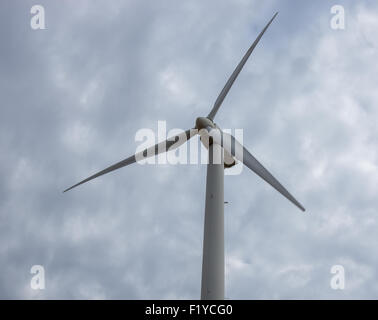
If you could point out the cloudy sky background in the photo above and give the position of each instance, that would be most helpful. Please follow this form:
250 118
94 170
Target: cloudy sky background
73 96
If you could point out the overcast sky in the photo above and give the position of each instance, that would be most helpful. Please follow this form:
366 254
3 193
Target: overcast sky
74 95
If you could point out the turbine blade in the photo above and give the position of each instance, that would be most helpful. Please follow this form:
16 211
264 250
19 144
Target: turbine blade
252 163
236 72
113 167
234 147
167 145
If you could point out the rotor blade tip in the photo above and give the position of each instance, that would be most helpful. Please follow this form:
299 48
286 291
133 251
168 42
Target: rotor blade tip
68 189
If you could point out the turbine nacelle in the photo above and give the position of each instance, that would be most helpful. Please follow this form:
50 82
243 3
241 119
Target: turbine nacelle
204 126
203 123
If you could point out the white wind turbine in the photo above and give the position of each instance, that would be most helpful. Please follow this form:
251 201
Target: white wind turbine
224 151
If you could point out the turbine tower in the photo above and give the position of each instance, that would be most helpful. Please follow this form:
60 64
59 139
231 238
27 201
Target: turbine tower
224 151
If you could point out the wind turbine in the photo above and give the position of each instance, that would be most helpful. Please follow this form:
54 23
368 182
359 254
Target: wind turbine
224 151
